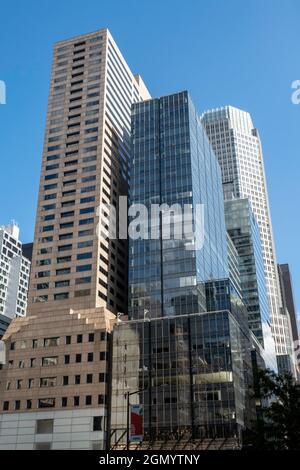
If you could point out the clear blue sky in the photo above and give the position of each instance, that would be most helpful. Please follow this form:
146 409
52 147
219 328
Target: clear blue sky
239 52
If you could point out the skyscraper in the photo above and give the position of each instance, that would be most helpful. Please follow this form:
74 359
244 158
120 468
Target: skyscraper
85 164
57 358
14 276
238 148
182 353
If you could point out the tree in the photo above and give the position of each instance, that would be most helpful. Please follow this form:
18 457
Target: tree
278 418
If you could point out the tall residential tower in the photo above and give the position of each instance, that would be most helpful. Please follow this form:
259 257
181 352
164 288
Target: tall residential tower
85 164
56 379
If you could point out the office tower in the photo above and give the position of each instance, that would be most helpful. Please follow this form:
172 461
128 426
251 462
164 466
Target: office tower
286 286
85 164
238 148
14 276
170 151
181 355
79 275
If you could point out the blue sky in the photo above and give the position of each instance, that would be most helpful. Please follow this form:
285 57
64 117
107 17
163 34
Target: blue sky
243 53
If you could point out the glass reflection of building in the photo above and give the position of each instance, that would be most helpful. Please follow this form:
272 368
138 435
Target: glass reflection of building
173 163
186 346
245 234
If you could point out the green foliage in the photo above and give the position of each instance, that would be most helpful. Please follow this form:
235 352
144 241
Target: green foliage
278 422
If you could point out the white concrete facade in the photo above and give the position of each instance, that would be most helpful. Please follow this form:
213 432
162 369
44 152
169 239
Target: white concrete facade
71 429
14 273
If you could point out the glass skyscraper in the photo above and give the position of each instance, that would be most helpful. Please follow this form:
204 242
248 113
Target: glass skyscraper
237 146
173 163
182 355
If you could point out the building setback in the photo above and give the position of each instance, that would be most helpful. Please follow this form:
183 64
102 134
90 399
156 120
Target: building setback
237 146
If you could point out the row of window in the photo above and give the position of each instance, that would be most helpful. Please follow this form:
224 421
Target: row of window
53 382
52 402
54 360
56 341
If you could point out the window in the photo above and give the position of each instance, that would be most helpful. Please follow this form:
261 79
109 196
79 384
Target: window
30 383
44 426
102 377
89 378
87 210
19 384
50 361
88 400
85 244
48 342
66 236
90 357
78 358
68 339
32 362
62 296
84 233
85 200
82 293
65 380
102 399
64 401
63 259
48 382
84 256
91 337
77 379
83 280
65 283
46 402
17 404
34 343
5 405
62 271
76 401
65 247
29 404
103 335
103 356
97 423
67 359
86 221
21 364
79 338
83 267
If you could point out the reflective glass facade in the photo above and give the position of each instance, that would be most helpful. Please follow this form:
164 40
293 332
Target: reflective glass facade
184 354
173 163
244 232
189 374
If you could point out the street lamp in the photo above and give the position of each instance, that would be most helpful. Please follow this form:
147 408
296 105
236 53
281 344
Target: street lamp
128 395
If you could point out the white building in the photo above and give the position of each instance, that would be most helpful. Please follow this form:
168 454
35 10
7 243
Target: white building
238 147
14 274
